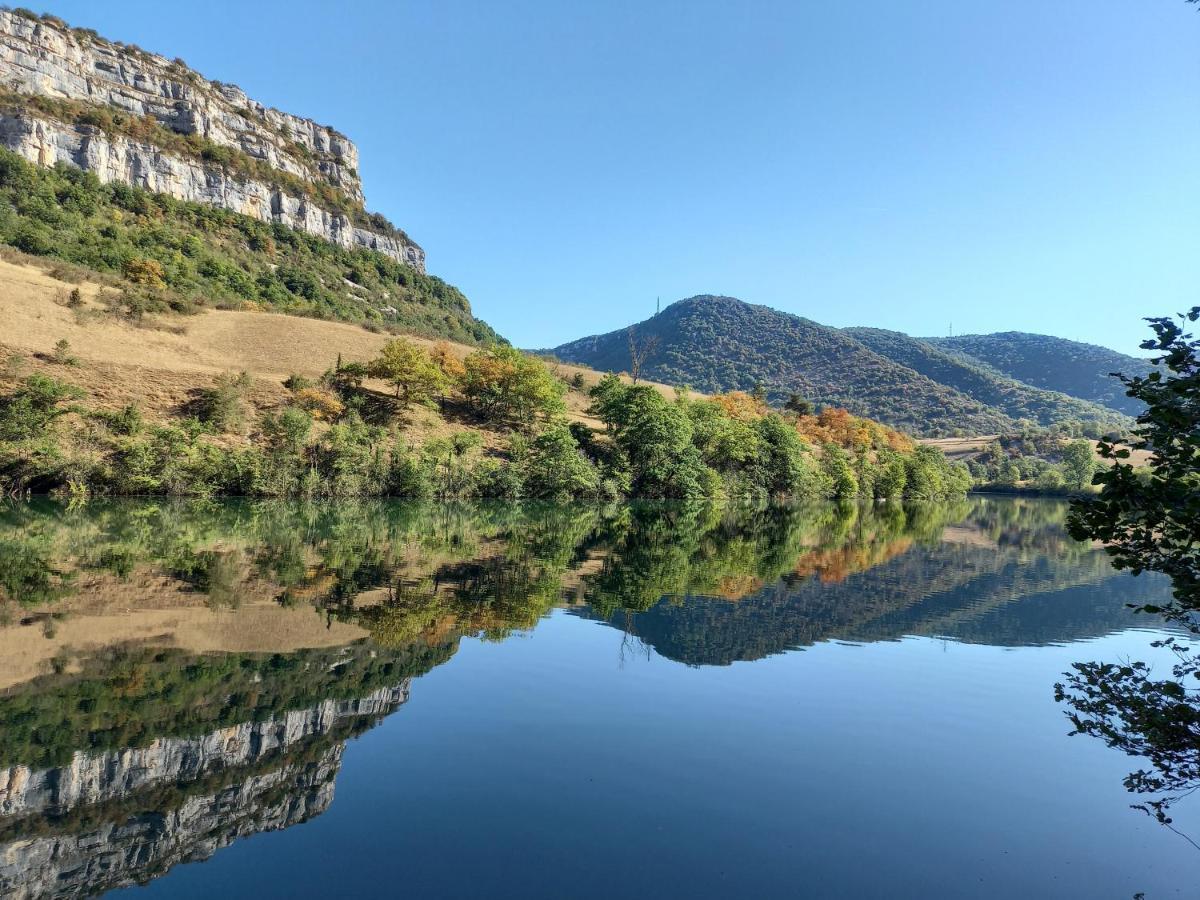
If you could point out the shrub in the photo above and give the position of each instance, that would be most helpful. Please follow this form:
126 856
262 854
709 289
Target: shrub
145 272
62 353
29 410
222 405
320 404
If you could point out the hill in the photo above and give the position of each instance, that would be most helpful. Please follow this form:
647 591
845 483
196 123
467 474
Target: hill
977 380
96 402
188 193
722 343
1055 364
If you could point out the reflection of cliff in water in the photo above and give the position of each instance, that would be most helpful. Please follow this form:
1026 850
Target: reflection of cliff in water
122 801
974 591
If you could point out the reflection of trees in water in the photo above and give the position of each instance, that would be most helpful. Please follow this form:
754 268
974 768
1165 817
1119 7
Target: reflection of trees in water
1149 521
411 571
701 584
1157 720
112 775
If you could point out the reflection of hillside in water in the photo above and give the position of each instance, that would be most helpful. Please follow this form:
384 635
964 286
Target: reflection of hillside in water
993 578
147 759
756 581
173 677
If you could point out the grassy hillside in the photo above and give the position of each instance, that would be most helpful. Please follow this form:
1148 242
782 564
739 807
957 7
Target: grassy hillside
981 382
721 343
248 403
167 254
1055 364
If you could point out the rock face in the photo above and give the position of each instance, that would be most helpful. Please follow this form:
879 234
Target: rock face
42 58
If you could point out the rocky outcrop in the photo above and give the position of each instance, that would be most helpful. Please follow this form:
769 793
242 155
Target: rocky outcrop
92 778
44 58
116 158
132 850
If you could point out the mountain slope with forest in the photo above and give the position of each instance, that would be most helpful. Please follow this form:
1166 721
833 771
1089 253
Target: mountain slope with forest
976 379
721 343
1054 364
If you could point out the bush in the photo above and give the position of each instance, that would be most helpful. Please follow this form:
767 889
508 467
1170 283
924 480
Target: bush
146 272
29 410
223 405
320 404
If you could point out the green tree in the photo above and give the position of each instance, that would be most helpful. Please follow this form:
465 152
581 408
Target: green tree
504 385
1150 521
837 468
1079 464
410 370
556 469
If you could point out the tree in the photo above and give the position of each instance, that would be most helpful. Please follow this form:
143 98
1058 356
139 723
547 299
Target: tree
837 468
452 367
416 377
504 385
655 437
639 352
782 465
1151 521
30 409
555 469
798 405
1079 464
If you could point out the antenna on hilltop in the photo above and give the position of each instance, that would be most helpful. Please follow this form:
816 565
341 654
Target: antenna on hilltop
657 305
951 329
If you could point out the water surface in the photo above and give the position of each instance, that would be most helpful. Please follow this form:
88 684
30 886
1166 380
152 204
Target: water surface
390 699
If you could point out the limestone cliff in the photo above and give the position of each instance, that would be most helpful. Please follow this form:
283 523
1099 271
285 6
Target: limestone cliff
43 58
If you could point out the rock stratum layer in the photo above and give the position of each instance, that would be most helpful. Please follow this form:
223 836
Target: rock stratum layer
45 58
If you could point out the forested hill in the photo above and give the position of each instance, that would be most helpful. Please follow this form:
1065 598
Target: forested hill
977 380
721 343
1056 364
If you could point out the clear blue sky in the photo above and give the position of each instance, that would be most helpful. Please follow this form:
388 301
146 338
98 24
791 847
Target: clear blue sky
1024 164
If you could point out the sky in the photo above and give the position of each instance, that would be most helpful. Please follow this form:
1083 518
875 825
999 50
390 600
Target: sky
972 165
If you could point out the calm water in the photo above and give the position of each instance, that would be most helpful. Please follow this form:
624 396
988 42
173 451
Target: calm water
270 700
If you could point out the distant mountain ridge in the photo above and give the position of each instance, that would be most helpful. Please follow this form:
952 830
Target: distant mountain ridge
1054 363
716 343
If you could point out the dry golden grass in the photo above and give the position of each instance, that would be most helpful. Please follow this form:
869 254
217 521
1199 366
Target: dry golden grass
970 447
161 363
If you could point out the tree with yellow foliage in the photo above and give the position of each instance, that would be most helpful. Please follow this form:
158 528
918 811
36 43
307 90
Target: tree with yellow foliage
414 374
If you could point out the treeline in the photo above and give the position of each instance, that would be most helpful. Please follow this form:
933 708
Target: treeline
487 569
338 437
1041 460
164 254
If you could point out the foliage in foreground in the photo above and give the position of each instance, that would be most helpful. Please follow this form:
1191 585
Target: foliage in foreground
1150 522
